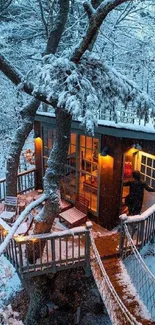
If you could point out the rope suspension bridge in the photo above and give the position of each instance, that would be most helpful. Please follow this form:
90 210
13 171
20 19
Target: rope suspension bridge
129 300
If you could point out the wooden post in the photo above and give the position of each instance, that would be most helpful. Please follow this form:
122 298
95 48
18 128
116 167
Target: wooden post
142 227
53 255
87 251
122 217
20 259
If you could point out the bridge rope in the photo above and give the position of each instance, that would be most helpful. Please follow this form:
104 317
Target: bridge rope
141 276
117 311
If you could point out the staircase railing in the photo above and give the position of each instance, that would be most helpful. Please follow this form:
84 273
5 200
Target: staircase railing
25 182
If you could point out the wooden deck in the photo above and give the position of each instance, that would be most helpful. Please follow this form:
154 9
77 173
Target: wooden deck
108 250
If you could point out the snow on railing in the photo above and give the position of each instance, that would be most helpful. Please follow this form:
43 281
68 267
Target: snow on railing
117 311
25 182
50 252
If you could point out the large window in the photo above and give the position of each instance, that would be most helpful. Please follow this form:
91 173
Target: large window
48 138
147 168
69 181
81 168
88 170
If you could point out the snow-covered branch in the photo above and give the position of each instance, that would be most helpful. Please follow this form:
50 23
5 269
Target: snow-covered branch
85 94
15 76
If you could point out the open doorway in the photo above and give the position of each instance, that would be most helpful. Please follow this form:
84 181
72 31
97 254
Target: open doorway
145 163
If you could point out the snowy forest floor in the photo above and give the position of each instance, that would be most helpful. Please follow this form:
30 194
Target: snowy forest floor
74 297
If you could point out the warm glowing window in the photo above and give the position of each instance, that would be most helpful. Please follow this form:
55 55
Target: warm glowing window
147 168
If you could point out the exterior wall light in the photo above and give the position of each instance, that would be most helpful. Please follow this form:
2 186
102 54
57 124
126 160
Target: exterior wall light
104 152
137 146
36 134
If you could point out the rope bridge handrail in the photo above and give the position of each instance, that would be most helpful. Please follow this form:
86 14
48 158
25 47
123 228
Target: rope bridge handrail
116 309
137 254
141 276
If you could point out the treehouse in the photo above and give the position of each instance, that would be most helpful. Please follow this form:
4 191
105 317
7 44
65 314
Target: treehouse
97 166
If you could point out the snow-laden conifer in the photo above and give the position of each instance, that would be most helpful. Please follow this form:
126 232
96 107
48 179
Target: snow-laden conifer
90 89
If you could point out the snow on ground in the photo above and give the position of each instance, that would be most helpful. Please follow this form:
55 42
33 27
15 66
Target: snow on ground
9 285
124 278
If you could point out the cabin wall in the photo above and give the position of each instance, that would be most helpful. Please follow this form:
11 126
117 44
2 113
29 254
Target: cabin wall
111 171
111 178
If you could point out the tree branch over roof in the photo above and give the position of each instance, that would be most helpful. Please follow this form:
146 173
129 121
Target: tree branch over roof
18 79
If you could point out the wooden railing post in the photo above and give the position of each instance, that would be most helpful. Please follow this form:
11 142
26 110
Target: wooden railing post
53 255
20 258
122 217
142 228
87 250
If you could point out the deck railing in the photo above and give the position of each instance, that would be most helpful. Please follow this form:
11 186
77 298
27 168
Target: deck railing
62 250
141 229
25 182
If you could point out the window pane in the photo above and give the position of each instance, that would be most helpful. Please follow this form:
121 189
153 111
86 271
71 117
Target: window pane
149 171
143 160
148 180
149 161
82 140
153 173
89 142
143 169
73 138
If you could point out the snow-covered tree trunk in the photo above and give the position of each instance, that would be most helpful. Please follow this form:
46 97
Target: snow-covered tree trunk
28 115
55 171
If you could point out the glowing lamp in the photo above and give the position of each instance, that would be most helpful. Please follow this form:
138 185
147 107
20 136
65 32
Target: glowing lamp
36 134
136 146
104 152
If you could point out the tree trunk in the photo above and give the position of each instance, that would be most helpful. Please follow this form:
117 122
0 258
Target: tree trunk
16 146
53 175
37 288
29 112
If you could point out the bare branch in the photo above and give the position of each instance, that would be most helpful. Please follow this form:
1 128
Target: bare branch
4 5
43 18
58 28
94 24
89 8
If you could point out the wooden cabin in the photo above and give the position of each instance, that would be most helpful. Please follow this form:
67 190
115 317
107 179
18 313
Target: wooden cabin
97 166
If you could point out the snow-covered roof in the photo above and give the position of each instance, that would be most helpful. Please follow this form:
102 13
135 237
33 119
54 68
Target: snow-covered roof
147 129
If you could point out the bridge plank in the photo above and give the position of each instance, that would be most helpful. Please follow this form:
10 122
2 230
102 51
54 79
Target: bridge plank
108 244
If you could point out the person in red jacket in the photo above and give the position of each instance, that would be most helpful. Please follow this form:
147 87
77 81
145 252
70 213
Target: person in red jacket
134 199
